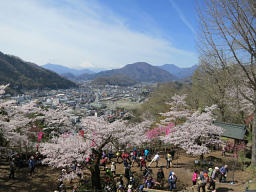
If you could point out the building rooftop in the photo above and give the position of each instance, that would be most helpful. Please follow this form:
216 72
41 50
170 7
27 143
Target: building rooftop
230 130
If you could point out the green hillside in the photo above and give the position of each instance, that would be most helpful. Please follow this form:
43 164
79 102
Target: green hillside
25 75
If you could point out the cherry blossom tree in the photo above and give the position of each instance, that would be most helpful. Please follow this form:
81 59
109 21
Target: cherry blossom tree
63 150
18 121
196 132
178 110
99 135
2 89
11 121
158 131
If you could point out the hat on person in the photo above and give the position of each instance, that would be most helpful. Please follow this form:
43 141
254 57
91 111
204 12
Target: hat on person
225 166
63 170
129 186
216 168
113 163
78 165
173 173
210 169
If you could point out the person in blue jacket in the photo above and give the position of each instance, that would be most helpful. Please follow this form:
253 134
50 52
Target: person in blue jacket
31 165
223 173
146 152
172 181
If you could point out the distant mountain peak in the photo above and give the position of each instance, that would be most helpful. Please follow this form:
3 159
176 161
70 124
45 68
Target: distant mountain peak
59 69
179 72
139 72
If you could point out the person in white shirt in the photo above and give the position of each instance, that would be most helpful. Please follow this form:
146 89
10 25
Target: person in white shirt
155 159
113 168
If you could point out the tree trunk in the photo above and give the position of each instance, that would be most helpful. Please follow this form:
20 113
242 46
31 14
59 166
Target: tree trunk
222 112
95 171
95 167
202 157
95 178
253 159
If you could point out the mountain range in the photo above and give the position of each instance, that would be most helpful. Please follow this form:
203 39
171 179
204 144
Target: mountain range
179 72
138 72
66 70
59 69
24 75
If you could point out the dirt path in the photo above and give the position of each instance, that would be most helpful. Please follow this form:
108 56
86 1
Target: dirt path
43 180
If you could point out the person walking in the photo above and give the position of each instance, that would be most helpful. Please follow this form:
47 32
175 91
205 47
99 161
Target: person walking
130 188
168 160
113 168
118 155
172 181
134 156
146 152
223 173
155 159
131 180
120 184
202 180
142 163
212 179
12 168
31 165
127 173
210 170
160 177
149 183
195 176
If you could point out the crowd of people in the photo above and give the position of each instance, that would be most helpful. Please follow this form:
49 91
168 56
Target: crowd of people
210 176
127 182
18 161
143 160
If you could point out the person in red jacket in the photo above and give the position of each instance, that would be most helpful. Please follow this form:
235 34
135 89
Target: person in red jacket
143 163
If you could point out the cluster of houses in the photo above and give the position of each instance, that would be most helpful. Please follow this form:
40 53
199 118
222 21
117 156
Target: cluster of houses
89 99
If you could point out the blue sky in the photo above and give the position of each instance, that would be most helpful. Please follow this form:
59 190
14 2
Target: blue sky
100 33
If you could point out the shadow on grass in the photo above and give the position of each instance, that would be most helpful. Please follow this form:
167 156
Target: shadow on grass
223 189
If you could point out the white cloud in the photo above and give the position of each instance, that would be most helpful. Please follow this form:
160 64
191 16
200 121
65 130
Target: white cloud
79 34
182 17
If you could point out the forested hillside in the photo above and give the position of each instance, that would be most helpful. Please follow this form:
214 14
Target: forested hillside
25 75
